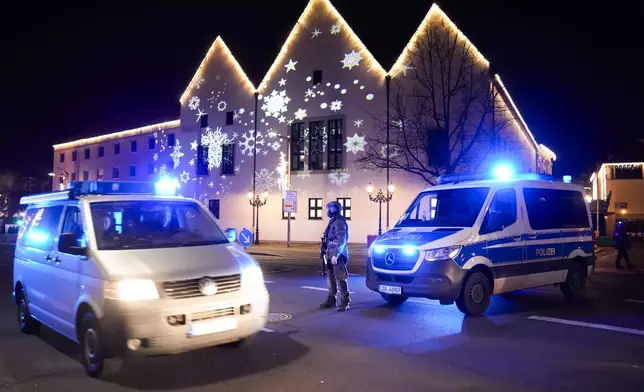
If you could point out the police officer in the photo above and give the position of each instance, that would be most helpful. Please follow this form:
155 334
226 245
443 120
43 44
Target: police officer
623 245
336 237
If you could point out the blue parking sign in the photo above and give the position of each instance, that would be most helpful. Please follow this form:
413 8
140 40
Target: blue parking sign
245 238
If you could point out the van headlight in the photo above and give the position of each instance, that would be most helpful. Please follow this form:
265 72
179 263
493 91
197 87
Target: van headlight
253 277
131 290
448 252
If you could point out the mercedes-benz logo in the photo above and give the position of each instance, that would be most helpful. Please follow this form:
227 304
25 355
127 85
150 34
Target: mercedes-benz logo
390 258
208 286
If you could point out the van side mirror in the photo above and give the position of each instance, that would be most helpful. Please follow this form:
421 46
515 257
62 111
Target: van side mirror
67 243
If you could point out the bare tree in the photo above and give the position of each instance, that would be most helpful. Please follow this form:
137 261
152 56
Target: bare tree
443 105
10 189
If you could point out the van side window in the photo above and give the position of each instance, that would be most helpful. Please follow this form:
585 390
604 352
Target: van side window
550 209
40 227
502 212
74 224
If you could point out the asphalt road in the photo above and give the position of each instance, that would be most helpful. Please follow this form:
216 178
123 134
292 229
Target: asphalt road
526 342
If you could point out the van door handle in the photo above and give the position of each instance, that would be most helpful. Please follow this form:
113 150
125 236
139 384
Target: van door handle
48 258
517 238
57 260
532 236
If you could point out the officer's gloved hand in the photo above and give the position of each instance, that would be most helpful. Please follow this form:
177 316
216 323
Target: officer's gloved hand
334 260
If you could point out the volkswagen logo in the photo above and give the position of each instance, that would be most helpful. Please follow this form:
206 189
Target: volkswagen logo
208 286
390 258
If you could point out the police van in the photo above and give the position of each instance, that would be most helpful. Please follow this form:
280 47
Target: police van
470 237
123 270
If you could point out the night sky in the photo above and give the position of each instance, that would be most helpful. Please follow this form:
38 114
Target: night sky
70 72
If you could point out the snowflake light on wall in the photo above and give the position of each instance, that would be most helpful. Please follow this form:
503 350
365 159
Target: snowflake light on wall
282 82
176 154
191 162
315 33
184 177
155 157
193 104
300 114
275 146
358 123
290 66
339 176
200 113
351 60
335 29
393 153
193 145
355 144
276 103
265 179
197 83
248 144
336 105
221 106
214 141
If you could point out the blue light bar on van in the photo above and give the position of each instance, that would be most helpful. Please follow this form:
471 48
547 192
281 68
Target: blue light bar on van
465 177
111 188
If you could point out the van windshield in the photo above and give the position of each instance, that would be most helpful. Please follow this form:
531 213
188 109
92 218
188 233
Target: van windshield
146 224
445 208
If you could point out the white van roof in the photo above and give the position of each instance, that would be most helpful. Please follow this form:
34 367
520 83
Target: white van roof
496 183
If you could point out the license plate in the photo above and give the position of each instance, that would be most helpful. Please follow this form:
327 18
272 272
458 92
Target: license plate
390 289
212 326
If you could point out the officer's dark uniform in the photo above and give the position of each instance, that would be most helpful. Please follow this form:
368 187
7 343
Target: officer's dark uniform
336 237
623 245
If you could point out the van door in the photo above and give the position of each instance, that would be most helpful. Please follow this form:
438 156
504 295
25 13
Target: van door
502 231
544 248
66 272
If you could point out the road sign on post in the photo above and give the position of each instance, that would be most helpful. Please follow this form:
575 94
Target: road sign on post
290 206
245 238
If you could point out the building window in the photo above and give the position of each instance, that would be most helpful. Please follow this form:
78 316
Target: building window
101 151
346 207
151 143
315 208
230 118
150 169
74 155
133 146
74 176
132 171
99 174
86 153
62 157
202 163
85 175
298 146
228 159
115 173
335 144
316 145
317 76
117 149
171 139
203 120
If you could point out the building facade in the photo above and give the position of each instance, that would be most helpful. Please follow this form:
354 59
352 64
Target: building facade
304 127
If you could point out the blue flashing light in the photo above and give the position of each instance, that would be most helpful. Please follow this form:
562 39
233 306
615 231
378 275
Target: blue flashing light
503 172
111 188
166 186
567 179
409 250
379 249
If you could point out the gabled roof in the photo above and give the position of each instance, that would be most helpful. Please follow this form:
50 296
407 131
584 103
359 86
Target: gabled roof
217 44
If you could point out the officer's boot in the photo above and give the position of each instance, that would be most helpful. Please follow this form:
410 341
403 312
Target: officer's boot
329 303
344 292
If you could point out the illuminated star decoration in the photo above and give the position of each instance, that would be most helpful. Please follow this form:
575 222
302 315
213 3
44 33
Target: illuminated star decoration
176 154
192 162
199 114
300 114
355 144
193 145
185 176
335 29
155 157
211 184
351 60
290 66
315 33
336 105
358 123
282 119
193 104
282 82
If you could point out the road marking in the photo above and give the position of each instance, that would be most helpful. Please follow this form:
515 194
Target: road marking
267 330
589 325
637 301
319 289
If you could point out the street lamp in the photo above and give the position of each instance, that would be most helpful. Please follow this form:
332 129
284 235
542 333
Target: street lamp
381 198
257 202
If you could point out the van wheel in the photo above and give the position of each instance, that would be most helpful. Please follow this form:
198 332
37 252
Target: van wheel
475 295
575 283
27 324
393 299
92 351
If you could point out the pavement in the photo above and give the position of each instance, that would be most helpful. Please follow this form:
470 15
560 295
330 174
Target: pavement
531 340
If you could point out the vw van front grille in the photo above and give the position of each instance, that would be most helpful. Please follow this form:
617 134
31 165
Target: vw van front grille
394 259
180 289
212 314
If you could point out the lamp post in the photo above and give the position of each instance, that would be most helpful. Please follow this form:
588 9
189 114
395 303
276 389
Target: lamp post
381 198
257 202
273 134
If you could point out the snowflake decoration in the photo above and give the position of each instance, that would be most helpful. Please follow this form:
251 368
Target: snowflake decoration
300 114
275 146
197 83
339 176
397 123
192 162
355 144
163 169
223 176
176 154
248 144
276 103
358 123
335 29
214 141
221 106
351 60
200 113
264 153
155 157
265 179
282 82
282 119
336 105
184 177
304 174
237 169
290 121
236 115
193 104
290 66
315 33
309 93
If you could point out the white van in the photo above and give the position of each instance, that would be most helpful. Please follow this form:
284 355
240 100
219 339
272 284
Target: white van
122 270
468 238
